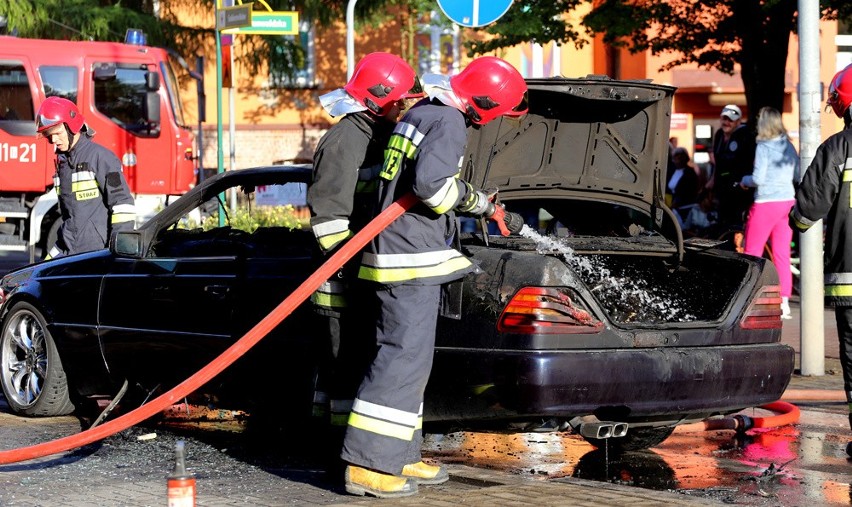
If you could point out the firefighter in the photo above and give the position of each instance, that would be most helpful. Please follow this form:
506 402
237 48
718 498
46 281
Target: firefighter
410 260
94 198
341 198
825 193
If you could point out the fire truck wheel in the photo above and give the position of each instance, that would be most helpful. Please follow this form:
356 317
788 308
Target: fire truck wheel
31 372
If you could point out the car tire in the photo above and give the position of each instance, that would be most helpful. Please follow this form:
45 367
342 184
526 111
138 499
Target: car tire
31 372
636 439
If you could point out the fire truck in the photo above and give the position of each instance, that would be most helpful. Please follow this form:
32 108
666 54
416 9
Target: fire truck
129 95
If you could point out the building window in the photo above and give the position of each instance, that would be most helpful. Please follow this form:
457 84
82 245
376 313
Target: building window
295 48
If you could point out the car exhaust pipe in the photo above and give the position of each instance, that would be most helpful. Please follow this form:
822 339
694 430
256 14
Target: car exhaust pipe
598 430
619 429
591 427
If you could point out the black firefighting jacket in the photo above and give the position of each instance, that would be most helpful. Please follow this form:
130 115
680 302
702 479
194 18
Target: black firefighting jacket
342 194
424 155
824 193
340 204
94 198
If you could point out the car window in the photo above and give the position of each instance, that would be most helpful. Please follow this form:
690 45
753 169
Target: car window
238 222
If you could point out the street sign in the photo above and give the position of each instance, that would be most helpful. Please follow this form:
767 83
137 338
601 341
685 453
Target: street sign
473 13
271 23
233 17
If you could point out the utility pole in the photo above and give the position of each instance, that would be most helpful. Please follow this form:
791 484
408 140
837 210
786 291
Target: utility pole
350 38
810 243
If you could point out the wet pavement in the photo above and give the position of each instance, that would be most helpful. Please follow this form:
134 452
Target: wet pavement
798 465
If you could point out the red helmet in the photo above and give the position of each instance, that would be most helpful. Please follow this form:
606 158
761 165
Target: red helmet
490 87
55 110
381 79
840 92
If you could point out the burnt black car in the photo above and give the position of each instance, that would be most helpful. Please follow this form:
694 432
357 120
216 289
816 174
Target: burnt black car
599 317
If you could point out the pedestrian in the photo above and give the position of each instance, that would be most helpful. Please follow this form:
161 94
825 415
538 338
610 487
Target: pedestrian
409 262
733 158
94 198
341 198
824 193
776 168
681 184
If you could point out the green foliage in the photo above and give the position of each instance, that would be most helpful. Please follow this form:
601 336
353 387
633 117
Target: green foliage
250 220
532 20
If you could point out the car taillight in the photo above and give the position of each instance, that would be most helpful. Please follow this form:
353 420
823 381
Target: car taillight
542 310
765 311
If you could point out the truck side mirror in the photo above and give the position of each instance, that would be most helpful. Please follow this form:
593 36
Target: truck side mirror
152 81
152 110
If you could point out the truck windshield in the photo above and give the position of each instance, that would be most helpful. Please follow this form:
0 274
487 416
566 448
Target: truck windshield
173 90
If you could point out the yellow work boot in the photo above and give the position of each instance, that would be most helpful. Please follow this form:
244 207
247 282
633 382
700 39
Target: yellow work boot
363 481
426 474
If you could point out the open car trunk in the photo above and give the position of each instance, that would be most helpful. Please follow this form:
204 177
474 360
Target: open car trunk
596 143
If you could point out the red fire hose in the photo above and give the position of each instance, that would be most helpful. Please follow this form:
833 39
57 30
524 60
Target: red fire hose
787 413
240 347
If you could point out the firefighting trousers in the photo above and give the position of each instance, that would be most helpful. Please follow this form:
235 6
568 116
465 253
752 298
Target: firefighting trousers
356 349
384 431
345 348
843 316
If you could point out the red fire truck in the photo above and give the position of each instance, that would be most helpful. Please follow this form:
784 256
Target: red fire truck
128 93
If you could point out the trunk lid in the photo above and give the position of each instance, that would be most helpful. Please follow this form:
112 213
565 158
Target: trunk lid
591 139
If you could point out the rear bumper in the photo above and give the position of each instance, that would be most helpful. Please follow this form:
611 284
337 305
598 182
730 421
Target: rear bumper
619 384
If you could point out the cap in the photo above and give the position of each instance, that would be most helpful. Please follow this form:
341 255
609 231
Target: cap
731 111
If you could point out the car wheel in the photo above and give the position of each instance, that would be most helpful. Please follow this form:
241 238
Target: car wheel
32 376
636 439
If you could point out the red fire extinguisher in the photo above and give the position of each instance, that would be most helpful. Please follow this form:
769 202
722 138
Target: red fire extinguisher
180 484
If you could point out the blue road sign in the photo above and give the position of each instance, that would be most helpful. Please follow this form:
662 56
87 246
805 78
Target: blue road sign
474 13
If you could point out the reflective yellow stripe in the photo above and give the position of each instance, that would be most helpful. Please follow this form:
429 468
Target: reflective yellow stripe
329 300
399 274
330 241
419 425
847 177
392 165
838 290
479 390
402 145
118 218
380 427
444 199
340 419
78 186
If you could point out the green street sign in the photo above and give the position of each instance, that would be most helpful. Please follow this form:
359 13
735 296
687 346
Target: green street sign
270 23
234 17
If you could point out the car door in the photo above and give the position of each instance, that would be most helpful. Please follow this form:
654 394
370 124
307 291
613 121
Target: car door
162 318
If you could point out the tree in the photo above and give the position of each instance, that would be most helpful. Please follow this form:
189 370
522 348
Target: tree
718 34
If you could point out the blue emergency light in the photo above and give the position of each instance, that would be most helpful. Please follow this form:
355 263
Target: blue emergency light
135 36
